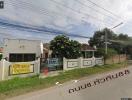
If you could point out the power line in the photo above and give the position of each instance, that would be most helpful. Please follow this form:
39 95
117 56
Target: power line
108 11
56 13
33 29
43 11
66 7
95 10
44 30
84 13
88 15
104 9
35 8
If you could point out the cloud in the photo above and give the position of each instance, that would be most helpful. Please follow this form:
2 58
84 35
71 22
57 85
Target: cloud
72 16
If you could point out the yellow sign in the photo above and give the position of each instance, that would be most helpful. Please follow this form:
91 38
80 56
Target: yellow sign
21 68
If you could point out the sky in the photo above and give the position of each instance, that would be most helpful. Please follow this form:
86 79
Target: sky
76 17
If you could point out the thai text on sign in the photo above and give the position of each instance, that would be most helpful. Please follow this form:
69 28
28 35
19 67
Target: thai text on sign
21 68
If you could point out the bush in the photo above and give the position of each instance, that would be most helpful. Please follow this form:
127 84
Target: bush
101 52
1 56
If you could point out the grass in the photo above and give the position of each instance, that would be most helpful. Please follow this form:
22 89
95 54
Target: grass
19 86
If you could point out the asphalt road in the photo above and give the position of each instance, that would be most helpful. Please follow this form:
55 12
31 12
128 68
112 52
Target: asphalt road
112 88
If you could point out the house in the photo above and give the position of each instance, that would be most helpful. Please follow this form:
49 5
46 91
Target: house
47 52
22 50
1 50
87 51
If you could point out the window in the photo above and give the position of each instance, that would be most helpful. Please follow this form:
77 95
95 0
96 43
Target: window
87 54
21 57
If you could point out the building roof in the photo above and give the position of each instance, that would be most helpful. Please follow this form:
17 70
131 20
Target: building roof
21 39
86 47
1 49
46 46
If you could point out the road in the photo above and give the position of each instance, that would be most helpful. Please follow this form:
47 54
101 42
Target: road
112 89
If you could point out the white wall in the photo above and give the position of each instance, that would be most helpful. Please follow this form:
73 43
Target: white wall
69 64
22 46
5 69
1 70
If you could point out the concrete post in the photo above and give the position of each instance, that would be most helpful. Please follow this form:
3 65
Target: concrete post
38 64
64 63
93 61
3 68
80 62
0 70
93 54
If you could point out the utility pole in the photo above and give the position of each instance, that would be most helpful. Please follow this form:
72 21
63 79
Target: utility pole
106 42
106 37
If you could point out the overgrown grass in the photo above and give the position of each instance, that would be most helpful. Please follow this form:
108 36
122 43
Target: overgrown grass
18 86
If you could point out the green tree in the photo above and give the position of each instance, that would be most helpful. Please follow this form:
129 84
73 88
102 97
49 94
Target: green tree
62 46
123 36
98 38
1 56
101 52
129 50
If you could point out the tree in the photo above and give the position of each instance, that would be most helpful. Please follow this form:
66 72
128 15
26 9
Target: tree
62 46
98 38
123 36
1 56
129 50
101 52
115 41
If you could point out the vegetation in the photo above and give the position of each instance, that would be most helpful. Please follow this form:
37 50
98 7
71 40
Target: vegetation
123 36
120 43
1 56
19 86
98 38
101 52
62 46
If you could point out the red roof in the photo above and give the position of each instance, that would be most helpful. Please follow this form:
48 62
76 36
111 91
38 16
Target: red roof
86 47
1 49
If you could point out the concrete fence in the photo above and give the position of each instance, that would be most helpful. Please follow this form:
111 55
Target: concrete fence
116 59
69 64
9 70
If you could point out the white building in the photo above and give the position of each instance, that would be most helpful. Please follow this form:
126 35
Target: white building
22 50
22 58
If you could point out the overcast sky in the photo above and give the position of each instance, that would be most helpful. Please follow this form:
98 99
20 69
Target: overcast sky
79 17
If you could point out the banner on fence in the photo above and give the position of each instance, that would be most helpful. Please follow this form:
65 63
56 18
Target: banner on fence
21 68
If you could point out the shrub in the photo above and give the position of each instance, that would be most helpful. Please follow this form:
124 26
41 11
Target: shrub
101 52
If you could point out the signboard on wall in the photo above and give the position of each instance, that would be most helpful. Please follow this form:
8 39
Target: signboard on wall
72 64
53 62
98 61
87 62
21 68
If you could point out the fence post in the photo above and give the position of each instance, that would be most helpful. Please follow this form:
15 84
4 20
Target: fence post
38 64
93 61
80 60
3 68
119 58
64 63
0 70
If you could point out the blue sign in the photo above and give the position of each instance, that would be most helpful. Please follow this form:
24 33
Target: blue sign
53 62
